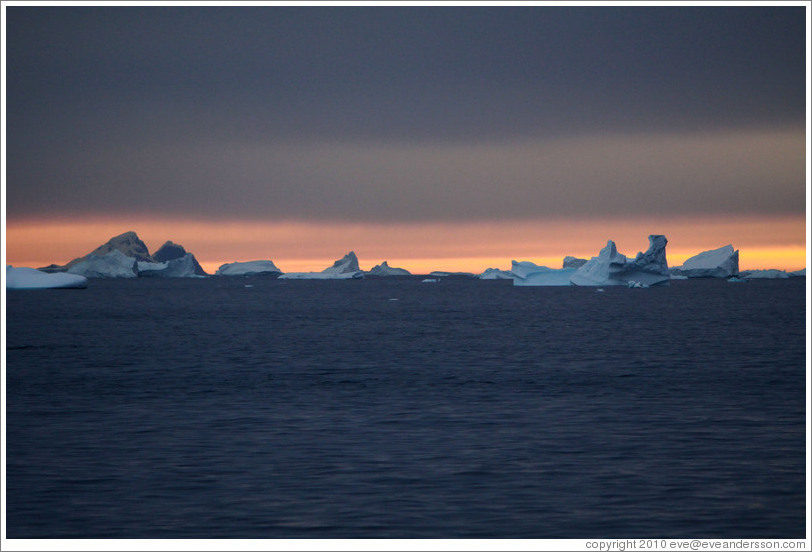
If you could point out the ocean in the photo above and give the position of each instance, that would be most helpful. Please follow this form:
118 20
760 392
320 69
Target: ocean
392 408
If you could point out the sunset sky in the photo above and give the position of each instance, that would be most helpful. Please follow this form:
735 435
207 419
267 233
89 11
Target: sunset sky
437 138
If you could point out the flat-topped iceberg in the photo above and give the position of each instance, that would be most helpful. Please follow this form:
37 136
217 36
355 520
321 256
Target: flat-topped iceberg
321 276
247 268
716 263
444 274
384 269
31 278
526 273
611 268
114 264
345 268
771 273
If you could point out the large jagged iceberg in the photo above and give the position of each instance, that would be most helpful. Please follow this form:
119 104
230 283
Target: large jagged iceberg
526 273
126 256
384 269
716 263
31 278
114 264
611 268
128 244
247 268
345 268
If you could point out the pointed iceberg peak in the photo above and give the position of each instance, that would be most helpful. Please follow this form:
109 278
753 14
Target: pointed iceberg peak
128 243
654 258
173 261
610 254
347 264
168 252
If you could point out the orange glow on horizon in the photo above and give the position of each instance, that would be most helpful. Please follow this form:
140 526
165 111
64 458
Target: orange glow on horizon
296 246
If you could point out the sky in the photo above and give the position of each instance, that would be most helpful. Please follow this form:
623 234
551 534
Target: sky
453 138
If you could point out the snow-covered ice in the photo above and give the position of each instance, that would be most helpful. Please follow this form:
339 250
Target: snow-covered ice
611 268
31 278
114 264
247 268
183 267
716 263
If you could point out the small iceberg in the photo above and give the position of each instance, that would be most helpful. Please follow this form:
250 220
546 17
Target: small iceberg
765 274
345 268
716 263
384 269
247 268
495 274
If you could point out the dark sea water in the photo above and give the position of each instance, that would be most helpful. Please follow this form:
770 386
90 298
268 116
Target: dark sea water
464 409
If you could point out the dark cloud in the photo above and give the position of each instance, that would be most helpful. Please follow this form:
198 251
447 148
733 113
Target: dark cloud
407 113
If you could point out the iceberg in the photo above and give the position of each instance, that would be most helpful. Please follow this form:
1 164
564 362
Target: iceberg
611 268
521 269
716 263
384 269
114 260
247 268
174 253
31 278
443 274
168 251
798 273
573 262
321 276
114 264
184 267
526 273
345 268
128 244
345 265
495 274
764 274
